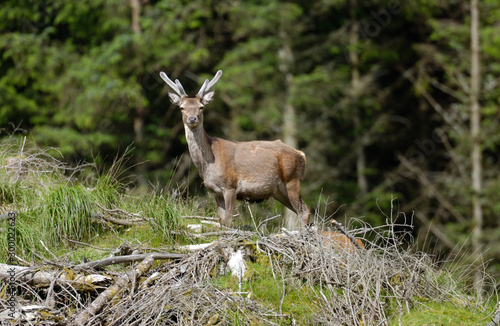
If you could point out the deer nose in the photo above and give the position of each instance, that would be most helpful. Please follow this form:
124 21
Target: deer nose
192 120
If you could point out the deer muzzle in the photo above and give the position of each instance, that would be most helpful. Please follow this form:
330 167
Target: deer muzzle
192 122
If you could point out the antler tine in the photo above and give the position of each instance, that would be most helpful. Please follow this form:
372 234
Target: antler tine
208 84
214 80
203 90
179 86
171 84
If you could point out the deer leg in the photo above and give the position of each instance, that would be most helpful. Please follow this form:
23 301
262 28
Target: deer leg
222 208
295 199
226 206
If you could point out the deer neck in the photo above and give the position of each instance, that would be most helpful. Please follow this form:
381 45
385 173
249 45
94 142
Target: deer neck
199 147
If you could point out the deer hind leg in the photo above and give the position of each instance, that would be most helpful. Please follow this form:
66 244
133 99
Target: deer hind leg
289 195
226 206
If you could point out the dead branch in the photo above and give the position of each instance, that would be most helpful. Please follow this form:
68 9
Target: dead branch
207 218
128 259
83 317
220 233
130 222
119 211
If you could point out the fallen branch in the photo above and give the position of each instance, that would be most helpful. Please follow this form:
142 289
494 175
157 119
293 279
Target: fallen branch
128 259
130 222
117 211
219 233
133 274
44 278
208 218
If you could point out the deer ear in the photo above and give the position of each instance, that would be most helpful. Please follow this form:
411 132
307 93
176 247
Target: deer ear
207 97
174 98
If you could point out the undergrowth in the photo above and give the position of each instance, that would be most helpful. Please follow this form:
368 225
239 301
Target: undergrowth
57 203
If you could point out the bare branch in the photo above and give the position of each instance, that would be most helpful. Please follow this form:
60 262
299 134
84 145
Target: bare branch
128 259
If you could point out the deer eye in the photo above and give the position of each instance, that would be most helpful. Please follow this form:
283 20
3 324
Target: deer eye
182 108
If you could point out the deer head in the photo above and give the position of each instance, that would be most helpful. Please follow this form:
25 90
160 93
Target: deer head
191 107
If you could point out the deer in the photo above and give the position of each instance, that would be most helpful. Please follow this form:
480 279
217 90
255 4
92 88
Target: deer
252 171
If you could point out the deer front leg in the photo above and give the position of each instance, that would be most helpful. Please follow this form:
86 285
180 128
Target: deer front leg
226 206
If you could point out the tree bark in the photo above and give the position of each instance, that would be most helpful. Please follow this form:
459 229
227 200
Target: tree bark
139 109
475 129
286 63
356 90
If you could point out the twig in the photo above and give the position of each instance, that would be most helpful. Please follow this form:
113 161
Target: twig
88 245
208 218
47 249
22 260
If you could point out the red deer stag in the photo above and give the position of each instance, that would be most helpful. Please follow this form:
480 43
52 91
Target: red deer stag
253 171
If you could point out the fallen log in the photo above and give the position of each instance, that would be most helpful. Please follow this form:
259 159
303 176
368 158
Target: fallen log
96 306
43 278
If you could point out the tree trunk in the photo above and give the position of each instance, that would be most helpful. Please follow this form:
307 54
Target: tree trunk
139 110
475 128
286 63
356 90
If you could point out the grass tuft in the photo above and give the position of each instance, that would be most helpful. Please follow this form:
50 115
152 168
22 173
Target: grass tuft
67 213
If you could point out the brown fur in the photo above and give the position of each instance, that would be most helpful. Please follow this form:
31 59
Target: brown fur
254 170
340 241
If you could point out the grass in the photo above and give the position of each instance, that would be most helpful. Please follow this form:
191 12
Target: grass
293 299
447 313
56 202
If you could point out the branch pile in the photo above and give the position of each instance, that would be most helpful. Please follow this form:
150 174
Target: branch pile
360 287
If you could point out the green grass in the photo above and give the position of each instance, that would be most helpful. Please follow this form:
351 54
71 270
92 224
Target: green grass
294 299
67 213
434 314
